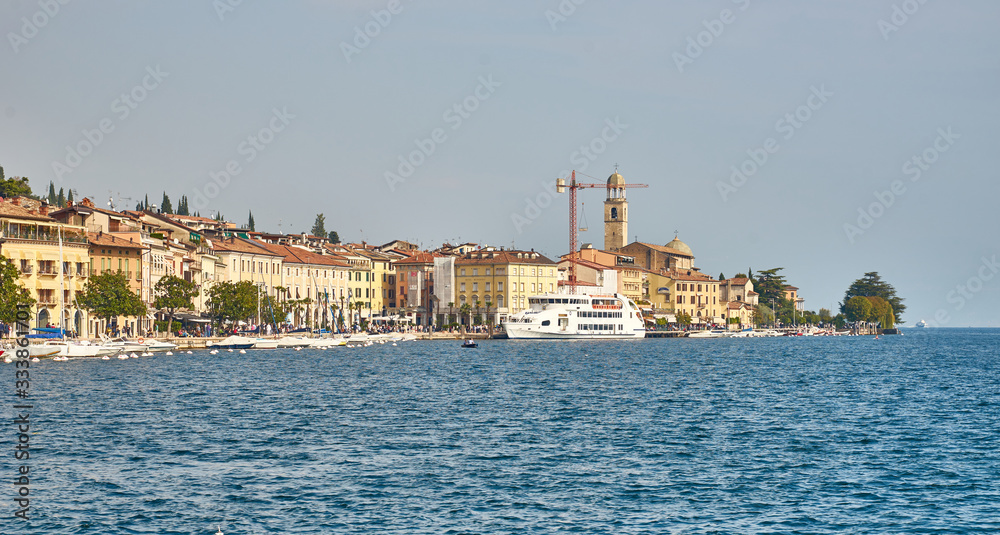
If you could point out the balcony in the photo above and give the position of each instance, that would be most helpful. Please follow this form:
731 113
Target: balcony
42 234
27 270
48 272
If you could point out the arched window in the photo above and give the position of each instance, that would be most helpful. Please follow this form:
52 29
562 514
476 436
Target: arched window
614 212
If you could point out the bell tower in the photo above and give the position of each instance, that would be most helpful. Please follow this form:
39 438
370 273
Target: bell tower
615 214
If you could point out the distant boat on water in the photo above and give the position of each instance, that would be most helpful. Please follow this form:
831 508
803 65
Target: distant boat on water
921 324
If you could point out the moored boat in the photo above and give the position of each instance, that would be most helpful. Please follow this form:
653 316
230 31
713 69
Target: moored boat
564 316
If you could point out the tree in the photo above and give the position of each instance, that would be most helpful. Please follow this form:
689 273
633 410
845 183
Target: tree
857 309
108 296
683 318
230 302
319 227
14 186
52 193
61 198
770 285
466 309
182 206
250 222
165 205
825 315
721 276
173 292
12 292
334 237
69 195
872 285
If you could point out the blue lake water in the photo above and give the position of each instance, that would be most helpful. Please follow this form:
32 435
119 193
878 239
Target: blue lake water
803 435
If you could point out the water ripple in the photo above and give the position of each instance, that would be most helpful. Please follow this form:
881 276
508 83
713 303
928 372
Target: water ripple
815 435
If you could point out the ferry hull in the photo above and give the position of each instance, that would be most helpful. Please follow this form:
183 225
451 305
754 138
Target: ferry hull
516 334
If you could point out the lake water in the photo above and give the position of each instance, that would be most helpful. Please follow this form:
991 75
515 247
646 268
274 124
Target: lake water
785 435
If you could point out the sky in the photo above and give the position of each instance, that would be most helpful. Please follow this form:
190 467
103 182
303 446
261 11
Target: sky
828 138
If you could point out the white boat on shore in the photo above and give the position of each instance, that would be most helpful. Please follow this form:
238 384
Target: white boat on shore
569 317
714 333
82 348
293 342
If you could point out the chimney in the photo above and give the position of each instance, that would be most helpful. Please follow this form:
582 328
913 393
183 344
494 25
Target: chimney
43 209
16 201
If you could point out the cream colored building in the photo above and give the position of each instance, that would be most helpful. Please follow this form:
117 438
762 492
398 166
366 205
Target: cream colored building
322 280
32 241
503 278
698 295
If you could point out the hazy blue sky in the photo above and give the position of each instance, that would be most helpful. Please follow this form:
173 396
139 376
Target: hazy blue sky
836 100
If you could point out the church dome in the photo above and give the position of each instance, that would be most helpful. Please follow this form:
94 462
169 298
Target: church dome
680 246
616 180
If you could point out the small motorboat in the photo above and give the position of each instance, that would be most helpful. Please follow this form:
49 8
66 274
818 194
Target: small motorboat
470 343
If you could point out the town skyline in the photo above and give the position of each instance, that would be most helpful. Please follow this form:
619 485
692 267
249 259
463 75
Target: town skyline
828 140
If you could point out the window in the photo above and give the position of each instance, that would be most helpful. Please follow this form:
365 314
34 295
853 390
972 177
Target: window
499 271
550 287
487 286
522 271
500 286
487 271
475 287
475 272
461 287
522 287
462 272
532 287
532 272
551 274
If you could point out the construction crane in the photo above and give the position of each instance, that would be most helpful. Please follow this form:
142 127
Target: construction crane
573 185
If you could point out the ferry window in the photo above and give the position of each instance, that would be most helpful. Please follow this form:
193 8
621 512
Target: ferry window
546 323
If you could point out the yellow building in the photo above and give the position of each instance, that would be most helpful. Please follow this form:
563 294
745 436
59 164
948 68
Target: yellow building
658 291
503 278
118 254
698 295
31 239
382 280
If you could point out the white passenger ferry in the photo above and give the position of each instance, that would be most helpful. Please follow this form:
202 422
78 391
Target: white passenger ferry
565 316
